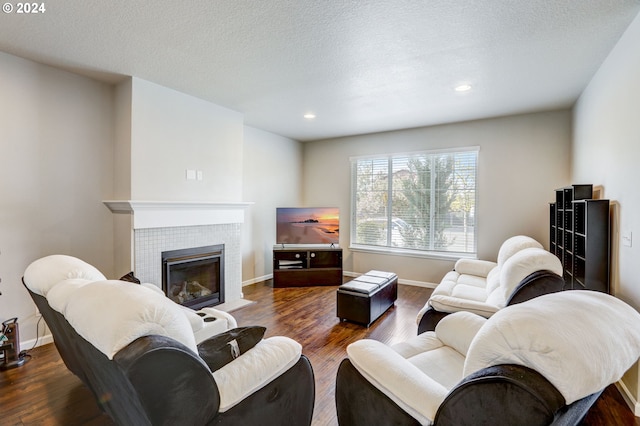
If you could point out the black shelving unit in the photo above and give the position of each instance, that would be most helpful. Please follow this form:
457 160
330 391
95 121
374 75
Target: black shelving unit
579 236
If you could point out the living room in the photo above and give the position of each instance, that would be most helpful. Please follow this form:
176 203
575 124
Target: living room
71 142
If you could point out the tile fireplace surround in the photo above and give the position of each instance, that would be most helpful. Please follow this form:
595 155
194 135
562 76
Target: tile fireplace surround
162 226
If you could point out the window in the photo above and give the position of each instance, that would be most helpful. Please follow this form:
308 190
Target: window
421 203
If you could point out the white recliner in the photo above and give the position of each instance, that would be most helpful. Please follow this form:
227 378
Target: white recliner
523 270
45 273
143 357
540 362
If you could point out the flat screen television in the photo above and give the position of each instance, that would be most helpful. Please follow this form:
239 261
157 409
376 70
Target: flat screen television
307 225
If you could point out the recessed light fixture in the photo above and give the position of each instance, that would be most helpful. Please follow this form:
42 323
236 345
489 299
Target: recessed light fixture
463 88
309 116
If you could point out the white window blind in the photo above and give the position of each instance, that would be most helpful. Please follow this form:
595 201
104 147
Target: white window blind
423 202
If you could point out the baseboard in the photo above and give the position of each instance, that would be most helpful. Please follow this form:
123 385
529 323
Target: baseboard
257 280
424 284
633 404
414 283
34 343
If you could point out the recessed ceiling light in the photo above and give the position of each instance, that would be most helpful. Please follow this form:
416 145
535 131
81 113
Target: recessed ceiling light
463 88
309 116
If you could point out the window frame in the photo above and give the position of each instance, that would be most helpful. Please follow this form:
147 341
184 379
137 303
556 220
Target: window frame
400 251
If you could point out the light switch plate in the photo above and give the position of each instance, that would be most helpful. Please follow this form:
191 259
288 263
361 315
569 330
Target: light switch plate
627 239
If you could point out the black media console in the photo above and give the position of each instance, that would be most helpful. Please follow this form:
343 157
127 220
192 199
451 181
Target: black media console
298 267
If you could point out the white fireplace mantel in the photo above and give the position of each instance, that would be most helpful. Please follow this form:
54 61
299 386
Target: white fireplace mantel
165 214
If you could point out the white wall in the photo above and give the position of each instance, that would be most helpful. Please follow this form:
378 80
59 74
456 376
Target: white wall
272 178
56 167
606 150
522 160
172 132
122 223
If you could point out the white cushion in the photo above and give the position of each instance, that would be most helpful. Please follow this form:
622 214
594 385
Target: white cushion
480 268
472 281
153 287
447 284
61 293
111 314
255 368
469 292
493 280
459 329
580 340
44 273
518 267
456 304
202 329
513 245
417 344
443 365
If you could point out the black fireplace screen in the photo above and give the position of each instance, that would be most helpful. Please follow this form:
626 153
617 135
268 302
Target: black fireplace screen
194 277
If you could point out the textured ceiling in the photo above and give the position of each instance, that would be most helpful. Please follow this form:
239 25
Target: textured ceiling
361 66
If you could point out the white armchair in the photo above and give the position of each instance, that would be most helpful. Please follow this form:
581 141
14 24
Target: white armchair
150 358
523 270
542 361
46 273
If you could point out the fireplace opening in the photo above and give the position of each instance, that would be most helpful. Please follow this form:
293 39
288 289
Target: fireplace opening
194 277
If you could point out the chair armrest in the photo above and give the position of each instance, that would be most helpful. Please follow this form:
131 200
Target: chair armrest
221 315
501 395
223 322
428 318
286 400
452 304
401 381
480 268
255 368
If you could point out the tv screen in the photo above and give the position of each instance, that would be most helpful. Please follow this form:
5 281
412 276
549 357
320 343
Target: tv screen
307 225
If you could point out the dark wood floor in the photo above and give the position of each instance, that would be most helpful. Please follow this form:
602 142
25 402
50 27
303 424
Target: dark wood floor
44 392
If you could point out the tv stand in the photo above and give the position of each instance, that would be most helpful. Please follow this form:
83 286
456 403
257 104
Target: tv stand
299 267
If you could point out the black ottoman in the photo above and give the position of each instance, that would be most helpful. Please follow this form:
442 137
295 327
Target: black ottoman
365 298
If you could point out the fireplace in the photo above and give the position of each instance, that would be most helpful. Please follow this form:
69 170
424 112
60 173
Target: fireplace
194 277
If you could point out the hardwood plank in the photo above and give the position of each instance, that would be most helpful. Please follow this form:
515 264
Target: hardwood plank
610 409
308 315
44 392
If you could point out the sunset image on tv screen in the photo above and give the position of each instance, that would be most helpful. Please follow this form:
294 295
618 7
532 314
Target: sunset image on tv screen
313 225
